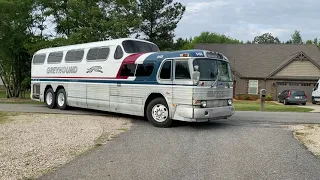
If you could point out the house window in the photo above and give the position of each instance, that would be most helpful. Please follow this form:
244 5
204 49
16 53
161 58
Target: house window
253 87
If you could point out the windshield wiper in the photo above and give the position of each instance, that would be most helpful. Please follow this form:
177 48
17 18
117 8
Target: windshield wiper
216 81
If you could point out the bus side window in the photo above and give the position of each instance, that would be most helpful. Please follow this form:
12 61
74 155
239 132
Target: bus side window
182 70
166 70
128 70
119 53
144 70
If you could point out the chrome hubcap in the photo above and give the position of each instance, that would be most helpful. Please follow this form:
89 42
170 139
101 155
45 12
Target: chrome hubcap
160 113
49 98
61 99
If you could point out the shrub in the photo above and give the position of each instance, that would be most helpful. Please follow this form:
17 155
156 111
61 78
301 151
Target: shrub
247 97
269 97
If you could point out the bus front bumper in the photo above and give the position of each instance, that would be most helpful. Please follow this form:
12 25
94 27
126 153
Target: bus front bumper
197 114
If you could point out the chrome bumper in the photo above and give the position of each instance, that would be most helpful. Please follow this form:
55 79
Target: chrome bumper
197 114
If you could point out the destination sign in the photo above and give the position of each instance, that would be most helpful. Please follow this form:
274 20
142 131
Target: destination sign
62 70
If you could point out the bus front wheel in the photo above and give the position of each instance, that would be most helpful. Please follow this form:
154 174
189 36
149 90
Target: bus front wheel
158 113
50 98
61 99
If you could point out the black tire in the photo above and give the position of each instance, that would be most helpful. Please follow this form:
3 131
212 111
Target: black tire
285 102
62 106
303 104
313 101
158 102
49 92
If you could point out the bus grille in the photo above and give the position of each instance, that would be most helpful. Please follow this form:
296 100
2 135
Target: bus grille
217 103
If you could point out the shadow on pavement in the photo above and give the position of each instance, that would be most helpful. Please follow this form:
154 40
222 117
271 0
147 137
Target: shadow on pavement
218 124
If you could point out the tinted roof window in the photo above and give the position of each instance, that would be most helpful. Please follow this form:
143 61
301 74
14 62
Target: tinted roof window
131 46
74 56
55 57
100 54
119 53
39 59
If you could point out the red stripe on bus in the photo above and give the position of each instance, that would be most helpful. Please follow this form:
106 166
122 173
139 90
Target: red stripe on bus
131 59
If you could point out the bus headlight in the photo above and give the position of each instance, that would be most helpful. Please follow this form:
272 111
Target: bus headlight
229 102
203 104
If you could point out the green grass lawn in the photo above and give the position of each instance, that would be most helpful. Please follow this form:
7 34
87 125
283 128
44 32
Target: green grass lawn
3 94
26 100
269 106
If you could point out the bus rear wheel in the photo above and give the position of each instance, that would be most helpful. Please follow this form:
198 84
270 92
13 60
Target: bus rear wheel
50 98
158 113
61 99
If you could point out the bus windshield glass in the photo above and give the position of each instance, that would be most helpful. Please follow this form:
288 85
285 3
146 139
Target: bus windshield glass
211 69
131 46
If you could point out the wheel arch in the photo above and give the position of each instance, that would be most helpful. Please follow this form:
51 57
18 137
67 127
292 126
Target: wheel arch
153 96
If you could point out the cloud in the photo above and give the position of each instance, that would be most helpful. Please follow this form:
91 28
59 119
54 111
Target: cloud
246 19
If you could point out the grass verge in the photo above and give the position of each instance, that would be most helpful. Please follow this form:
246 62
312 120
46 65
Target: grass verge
5 100
5 116
309 136
269 106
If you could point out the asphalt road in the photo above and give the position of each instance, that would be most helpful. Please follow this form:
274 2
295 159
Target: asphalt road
250 145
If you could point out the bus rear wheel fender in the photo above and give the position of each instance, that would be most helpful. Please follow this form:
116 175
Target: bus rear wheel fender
158 113
50 98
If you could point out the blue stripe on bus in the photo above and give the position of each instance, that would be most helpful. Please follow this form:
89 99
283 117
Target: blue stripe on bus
106 81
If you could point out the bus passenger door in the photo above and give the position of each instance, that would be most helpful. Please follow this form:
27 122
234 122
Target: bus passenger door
165 79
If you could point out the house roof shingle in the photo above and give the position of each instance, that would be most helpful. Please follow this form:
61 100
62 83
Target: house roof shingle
260 60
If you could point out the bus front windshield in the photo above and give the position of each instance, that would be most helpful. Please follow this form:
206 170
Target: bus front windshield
211 69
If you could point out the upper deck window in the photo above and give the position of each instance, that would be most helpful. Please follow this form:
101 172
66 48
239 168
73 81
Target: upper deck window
131 46
98 54
74 56
119 53
39 59
55 57
182 70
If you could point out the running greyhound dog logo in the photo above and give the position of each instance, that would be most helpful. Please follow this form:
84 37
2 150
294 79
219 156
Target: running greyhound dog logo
95 68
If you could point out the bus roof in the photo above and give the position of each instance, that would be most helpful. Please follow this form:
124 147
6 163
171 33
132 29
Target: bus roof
89 45
194 53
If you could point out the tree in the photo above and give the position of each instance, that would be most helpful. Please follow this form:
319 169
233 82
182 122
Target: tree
207 37
309 42
181 43
296 37
315 41
266 38
16 20
85 21
159 20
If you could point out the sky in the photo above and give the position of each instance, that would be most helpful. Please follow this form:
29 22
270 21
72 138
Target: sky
245 19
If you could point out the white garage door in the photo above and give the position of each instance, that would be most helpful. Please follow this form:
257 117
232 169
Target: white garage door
306 87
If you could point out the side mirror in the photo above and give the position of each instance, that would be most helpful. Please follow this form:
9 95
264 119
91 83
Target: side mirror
196 68
195 77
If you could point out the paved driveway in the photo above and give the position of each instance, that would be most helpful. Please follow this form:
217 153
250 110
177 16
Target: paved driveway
251 145
315 107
